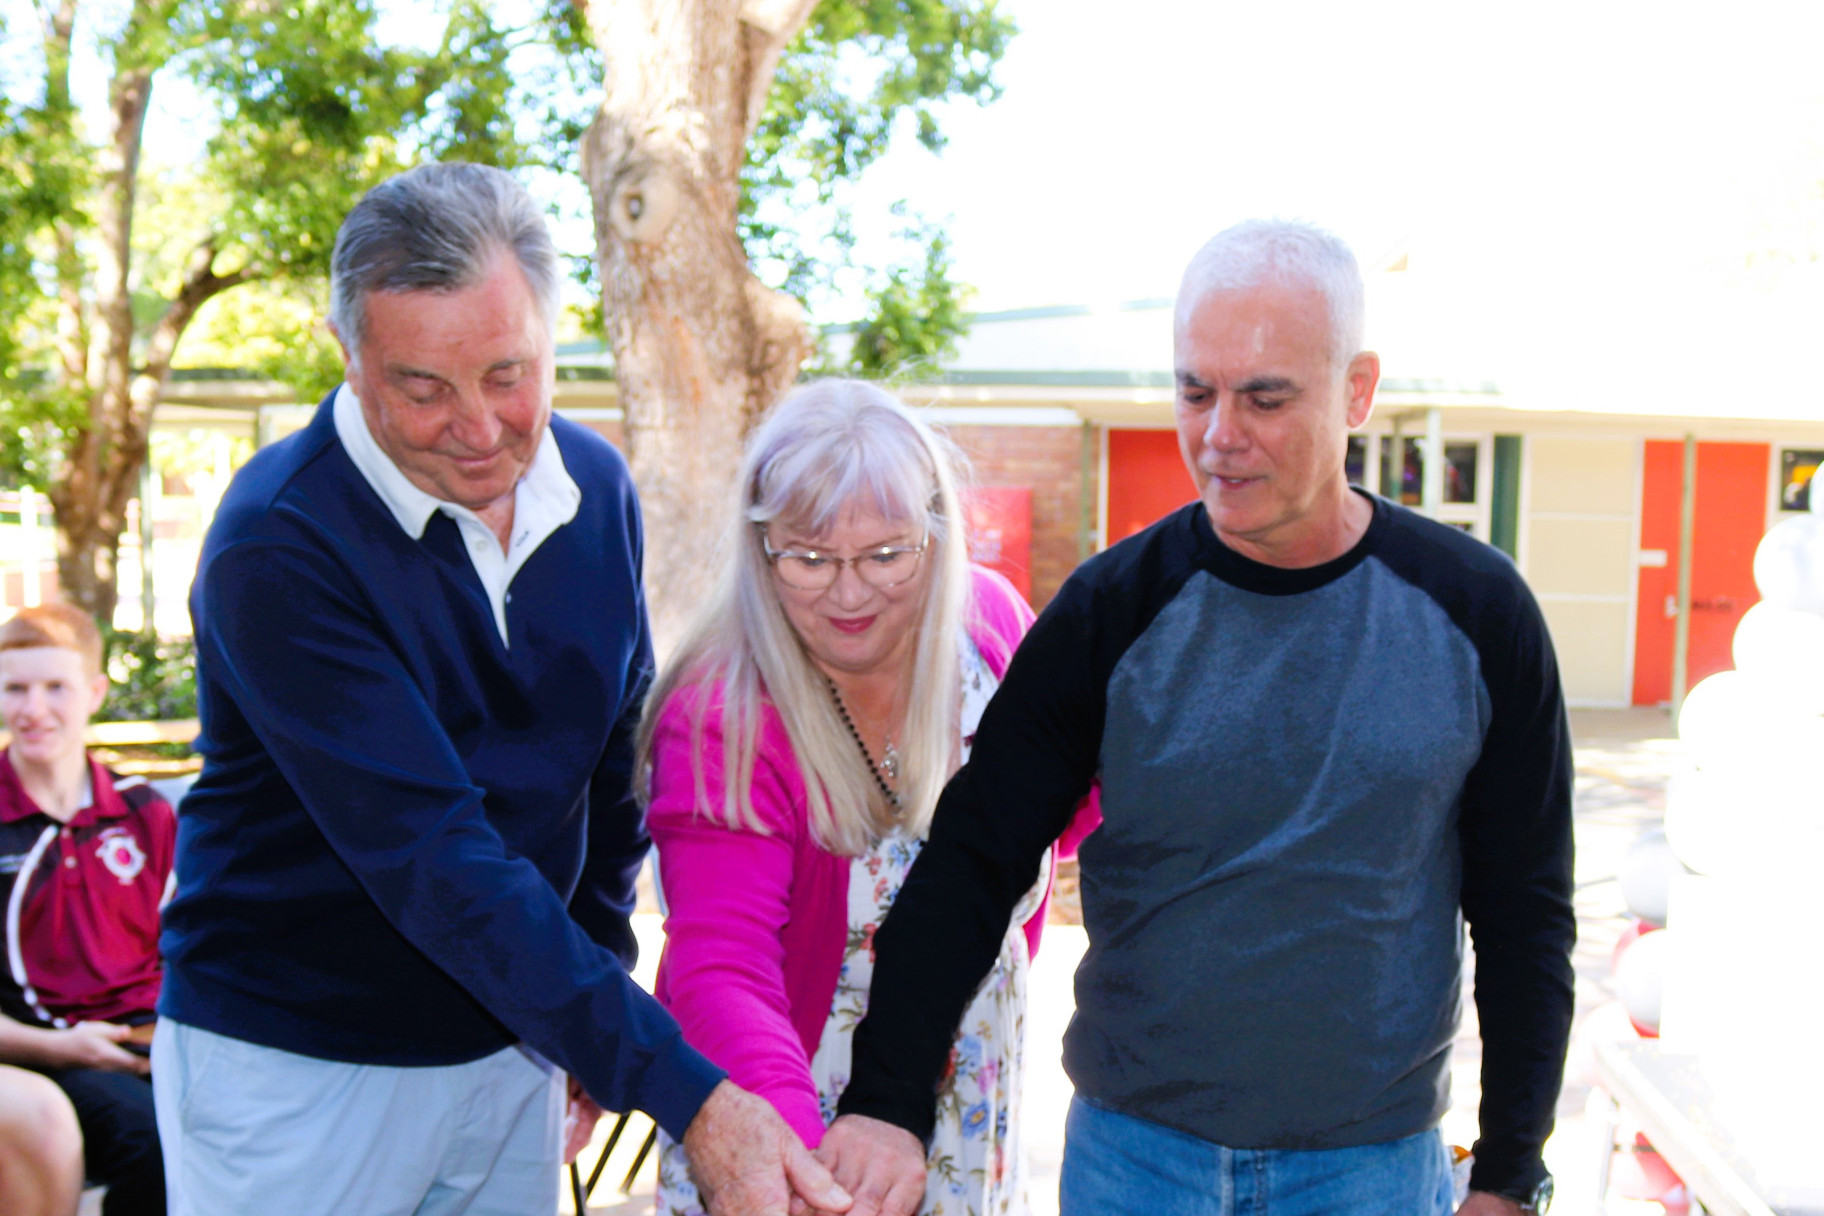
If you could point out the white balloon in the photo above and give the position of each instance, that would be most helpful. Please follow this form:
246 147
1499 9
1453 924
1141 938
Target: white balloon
1789 563
1699 826
1755 816
1640 978
1724 715
1646 876
1785 649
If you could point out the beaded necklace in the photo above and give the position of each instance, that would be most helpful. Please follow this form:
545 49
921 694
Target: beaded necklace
888 766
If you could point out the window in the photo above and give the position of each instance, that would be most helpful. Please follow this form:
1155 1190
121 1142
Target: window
1468 476
1355 464
1798 474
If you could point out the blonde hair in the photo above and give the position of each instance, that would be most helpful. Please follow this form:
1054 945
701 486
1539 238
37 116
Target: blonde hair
827 446
59 625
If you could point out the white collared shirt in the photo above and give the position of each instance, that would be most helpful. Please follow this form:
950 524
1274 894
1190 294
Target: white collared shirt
545 499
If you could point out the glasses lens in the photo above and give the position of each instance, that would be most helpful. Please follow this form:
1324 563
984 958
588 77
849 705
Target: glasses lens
887 568
817 572
806 572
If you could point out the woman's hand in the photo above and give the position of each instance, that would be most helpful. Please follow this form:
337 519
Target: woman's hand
881 1165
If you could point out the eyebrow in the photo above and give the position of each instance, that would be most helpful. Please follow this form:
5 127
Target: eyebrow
1255 384
1267 384
405 369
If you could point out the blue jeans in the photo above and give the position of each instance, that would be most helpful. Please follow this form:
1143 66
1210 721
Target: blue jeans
1117 1164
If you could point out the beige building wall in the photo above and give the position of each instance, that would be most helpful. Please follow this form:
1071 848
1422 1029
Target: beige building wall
1580 523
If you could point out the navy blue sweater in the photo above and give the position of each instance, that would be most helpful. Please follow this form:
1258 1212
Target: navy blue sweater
410 844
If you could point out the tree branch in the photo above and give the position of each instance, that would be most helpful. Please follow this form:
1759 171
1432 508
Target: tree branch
200 284
767 25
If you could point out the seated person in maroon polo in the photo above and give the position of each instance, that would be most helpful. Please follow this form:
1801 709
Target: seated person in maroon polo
85 863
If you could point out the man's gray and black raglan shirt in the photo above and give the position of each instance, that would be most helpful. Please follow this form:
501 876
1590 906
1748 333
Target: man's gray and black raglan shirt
1306 775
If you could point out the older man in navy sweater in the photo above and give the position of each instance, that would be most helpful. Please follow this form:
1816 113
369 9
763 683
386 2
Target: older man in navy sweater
404 876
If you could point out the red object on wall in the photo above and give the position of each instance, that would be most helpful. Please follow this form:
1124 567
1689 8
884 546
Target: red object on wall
1147 480
1729 520
1000 532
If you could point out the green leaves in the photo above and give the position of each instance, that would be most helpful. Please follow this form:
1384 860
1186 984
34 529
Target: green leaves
858 68
860 71
153 678
917 313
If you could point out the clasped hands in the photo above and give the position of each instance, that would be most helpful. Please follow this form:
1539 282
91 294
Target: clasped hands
747 1161
881 1165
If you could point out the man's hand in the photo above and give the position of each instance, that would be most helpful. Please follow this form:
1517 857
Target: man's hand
748 1162
1481 1203
581 1114
94 1045
881 1165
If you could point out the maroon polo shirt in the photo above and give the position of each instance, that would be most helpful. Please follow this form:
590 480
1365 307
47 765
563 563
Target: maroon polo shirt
82 901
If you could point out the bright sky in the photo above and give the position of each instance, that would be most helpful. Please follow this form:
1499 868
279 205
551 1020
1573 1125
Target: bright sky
1634 139
1580 183
1581 175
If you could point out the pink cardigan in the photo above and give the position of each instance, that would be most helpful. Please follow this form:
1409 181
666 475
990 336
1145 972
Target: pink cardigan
756 925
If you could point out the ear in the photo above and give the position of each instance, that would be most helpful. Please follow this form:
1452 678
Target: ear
348 359
98 692
1363 375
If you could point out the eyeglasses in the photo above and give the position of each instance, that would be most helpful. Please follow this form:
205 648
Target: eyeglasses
814 570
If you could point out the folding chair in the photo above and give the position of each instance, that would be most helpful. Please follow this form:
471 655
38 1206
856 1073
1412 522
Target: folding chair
580 1190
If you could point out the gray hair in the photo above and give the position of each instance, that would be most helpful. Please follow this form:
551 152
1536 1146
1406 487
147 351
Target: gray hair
436 228
827 447
1285 252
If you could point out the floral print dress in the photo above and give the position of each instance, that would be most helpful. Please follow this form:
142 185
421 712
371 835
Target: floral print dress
975 1167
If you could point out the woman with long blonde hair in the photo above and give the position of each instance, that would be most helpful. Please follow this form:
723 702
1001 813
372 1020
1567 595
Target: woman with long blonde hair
797 742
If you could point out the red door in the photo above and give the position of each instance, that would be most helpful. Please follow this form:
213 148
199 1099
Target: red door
1730 518
1147 480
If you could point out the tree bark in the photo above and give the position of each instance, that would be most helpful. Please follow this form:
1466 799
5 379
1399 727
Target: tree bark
72 338
89 528
90 511
701 346
95 336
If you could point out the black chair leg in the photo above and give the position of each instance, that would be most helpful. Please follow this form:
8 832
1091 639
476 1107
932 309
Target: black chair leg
601 1162
580 1190
639 1160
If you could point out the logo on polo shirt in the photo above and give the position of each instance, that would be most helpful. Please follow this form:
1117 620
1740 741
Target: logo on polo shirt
119 851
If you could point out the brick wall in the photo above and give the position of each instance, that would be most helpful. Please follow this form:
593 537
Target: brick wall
1048 460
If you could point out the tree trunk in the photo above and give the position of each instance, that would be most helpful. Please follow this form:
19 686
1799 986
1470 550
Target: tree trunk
106 454
91 502
91 508
72 338
701 347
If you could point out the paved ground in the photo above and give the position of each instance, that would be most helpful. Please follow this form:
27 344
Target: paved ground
1624 758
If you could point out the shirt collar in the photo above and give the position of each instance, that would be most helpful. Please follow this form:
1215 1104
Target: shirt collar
546 482
105 801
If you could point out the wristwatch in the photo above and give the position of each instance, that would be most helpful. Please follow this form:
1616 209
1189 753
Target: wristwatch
1535 1202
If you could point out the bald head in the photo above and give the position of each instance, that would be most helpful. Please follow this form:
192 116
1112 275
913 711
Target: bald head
1281 253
